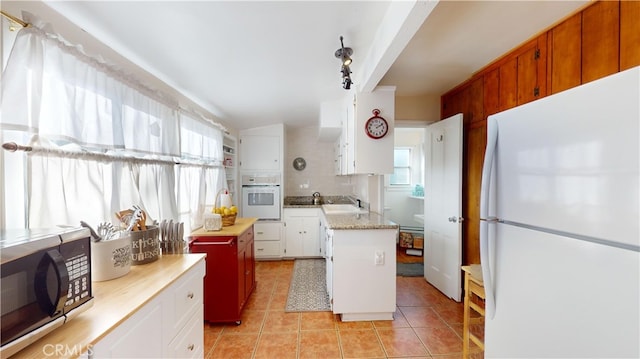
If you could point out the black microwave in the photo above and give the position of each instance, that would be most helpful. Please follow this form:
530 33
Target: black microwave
46 280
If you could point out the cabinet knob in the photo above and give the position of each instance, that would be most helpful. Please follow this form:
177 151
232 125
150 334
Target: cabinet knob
191 347
190 295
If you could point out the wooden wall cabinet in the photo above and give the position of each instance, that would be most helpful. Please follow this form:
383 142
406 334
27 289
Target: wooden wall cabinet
565 54
629 34
598 41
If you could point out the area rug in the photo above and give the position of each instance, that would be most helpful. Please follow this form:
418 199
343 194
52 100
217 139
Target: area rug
308 289
409 269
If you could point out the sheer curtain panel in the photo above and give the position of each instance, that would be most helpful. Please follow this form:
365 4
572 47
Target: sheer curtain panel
102 140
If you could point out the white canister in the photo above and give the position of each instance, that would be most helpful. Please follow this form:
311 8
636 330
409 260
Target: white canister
110 259
212 221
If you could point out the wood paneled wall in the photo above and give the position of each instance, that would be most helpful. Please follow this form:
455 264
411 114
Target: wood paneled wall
597 41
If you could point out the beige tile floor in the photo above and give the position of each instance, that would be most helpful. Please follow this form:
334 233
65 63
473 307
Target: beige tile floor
426 325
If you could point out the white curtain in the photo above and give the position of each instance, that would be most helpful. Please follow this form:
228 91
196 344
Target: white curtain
102 141
199 184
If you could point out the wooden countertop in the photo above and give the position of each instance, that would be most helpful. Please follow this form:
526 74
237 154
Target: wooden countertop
114 301
241 225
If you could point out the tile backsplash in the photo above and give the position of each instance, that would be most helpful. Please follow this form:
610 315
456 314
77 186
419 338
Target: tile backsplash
318 175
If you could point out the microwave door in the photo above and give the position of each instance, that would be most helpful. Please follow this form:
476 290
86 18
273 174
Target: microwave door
33 290
51 283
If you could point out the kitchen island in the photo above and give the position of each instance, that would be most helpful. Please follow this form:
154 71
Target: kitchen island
361 265
231 269
117 324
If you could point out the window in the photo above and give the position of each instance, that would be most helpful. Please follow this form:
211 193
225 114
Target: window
101 141
401 167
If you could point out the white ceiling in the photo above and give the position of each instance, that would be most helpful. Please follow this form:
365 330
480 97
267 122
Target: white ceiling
263 62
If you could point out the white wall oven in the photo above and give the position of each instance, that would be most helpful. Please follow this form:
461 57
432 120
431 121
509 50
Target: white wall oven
261 196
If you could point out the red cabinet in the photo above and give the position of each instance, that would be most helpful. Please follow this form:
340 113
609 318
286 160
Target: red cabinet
230 270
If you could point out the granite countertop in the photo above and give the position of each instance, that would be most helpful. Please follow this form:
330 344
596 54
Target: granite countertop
369 220
307 201
366 220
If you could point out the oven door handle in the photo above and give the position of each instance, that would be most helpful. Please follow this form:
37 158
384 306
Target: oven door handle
51 299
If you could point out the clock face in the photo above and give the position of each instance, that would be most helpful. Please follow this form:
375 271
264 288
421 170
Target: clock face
376 127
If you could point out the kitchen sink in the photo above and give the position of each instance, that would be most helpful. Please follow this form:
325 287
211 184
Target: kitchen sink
341 209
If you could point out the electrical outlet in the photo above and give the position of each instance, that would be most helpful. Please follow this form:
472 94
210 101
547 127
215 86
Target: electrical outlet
379 258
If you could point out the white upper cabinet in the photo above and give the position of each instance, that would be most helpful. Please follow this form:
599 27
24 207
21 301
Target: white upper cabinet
332 115
261 149
360 153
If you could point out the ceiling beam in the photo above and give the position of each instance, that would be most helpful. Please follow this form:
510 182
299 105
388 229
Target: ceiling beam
401 21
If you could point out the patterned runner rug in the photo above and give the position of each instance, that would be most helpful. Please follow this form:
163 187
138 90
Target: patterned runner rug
308 290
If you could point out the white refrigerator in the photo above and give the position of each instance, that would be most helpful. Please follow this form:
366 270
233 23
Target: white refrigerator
560 233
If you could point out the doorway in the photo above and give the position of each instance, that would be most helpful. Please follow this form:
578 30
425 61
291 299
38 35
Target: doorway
404 198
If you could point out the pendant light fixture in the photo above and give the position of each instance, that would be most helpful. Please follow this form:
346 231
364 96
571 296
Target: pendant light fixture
344 54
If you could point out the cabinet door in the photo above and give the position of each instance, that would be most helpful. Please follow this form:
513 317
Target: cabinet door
242 287
600 40
302 233
221 281
490 95
531 74
311 237
565 48
629 34
508 84
250 263
294 227
349 140
476 140
329 262
131 339
189 343
337 157
260 152
374 155
246 267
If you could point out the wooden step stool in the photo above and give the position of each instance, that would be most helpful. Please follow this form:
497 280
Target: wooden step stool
473 286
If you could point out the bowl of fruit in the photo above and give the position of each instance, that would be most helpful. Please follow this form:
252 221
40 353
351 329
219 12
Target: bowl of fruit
227 210
228 214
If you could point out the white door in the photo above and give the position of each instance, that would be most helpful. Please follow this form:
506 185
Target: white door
443 206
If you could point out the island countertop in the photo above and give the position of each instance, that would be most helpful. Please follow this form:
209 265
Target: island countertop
241 225
114 302
369 220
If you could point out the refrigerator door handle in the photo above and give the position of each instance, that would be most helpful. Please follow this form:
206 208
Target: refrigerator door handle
486 251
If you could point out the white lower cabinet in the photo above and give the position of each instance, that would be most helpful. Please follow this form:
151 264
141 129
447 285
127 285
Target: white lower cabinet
184 345
361 277
268 240
329 263
171 325
302 232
